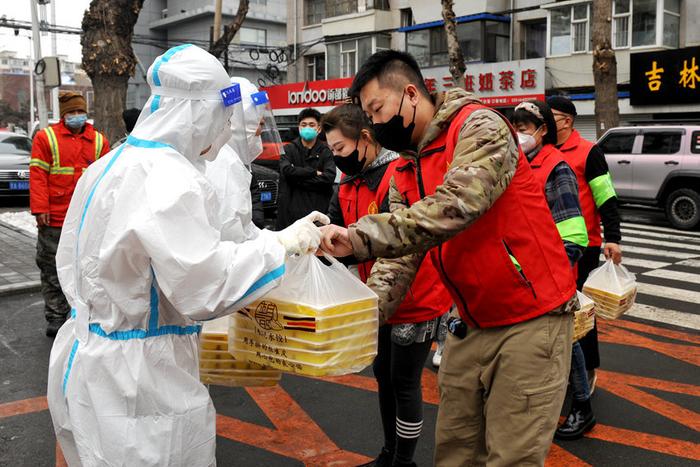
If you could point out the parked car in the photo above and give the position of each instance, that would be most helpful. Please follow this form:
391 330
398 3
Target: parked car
657 165
266 191
15 152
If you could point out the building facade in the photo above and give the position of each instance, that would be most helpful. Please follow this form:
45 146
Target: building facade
257 52
514 49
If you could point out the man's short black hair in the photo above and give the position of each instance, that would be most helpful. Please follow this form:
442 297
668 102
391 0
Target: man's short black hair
392 68
130 116
562 104
309 113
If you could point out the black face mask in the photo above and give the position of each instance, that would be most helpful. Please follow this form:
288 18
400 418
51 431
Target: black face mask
351 164
392 134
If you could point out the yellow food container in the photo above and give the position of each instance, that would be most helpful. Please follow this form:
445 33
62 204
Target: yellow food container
217 366
584 319
613 289
610 305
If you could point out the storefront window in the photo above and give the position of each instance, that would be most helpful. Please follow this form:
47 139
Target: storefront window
643 22
560 27
534 43
469 37
672 22
497 41
315 67
418 45
438 47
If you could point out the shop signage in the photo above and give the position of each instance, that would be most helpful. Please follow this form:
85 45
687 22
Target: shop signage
665 77
496 84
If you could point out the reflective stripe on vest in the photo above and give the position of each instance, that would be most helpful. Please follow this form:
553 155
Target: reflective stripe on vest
56 167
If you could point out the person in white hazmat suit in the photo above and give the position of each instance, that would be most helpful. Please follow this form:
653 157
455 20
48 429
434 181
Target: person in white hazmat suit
230 173
141 260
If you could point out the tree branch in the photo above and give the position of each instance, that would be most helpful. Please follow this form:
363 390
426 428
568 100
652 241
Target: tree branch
220 46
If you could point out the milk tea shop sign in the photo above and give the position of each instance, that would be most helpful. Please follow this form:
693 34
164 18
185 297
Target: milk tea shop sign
502 84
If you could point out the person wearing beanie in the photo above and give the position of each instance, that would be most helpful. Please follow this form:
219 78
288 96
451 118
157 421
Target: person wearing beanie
598 202
537 134
60 155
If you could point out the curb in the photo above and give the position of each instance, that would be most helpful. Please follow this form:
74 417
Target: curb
21 287
27 234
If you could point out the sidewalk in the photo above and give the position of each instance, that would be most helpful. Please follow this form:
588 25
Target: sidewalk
18 269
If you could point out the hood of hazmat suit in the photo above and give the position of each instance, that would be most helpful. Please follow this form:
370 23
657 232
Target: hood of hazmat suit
141 261
228 173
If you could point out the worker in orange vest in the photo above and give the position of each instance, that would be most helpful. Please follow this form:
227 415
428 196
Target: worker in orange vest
60 155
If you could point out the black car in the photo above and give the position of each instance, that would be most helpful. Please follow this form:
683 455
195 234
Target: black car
264 193
15 153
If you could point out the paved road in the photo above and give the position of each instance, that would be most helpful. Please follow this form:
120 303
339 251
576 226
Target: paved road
647 401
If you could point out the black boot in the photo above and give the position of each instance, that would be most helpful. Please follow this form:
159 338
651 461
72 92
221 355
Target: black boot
385 459
579 422
53 327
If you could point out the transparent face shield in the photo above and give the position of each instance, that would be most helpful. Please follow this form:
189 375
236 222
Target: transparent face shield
272 147
233 103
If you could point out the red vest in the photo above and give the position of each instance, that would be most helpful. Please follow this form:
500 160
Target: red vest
427 298
575 151
544 162
476 264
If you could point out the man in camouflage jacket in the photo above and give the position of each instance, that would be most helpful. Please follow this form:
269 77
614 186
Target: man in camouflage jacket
503 376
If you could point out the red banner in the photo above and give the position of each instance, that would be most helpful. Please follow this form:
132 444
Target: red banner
309 94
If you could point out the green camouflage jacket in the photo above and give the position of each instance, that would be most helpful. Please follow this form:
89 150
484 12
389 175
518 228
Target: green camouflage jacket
484 162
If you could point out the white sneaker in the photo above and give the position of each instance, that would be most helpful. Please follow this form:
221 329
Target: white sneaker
437 357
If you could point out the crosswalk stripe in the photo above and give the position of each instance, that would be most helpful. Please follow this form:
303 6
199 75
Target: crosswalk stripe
661 229
674 245
662 315
693 263
656 252
640 263
674 275
669 292
680 238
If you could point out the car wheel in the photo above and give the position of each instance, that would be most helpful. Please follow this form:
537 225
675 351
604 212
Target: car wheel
683 208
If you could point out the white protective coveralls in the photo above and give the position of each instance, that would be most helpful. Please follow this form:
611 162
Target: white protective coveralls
229 175
141 260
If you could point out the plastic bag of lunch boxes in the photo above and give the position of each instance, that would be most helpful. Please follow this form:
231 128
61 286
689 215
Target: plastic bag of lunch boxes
584 318
321 320
217 366
613 289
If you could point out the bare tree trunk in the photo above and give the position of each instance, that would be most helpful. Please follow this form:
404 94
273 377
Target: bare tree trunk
457 66
220 46
108 59
607 111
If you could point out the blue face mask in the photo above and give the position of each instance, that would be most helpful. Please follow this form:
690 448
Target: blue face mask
75 122
308 133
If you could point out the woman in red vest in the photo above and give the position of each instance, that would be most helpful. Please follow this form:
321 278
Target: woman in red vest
537 132
405 337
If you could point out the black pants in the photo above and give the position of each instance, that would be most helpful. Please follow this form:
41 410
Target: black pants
398 369
56 307
589 343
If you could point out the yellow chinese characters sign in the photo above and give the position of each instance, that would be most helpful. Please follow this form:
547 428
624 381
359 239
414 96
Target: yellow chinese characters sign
665 77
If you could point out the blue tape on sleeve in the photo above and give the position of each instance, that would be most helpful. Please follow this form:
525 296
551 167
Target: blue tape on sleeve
260 98
231 95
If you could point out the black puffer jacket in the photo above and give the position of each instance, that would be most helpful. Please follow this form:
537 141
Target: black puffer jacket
301 189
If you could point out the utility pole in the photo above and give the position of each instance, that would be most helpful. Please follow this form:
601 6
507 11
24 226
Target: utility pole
217 20
31 91
54 52
39 79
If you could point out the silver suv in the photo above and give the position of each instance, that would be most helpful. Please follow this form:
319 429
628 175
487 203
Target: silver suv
657 165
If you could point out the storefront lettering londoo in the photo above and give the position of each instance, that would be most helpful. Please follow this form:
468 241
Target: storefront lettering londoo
503 84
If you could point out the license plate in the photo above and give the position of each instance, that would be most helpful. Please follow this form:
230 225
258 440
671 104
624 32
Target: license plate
265 196
19 185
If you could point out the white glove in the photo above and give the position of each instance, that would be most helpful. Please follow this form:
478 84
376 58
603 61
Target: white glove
303 236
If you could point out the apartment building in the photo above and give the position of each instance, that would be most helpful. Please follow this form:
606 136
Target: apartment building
255 53
514 49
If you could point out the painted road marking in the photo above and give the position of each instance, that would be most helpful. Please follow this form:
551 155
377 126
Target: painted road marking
656 252
638 262
661 315
674 245
669 292
681 238
661 229
674 275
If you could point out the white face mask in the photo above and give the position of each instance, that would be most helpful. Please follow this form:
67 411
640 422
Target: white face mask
218 143
527 142
255 148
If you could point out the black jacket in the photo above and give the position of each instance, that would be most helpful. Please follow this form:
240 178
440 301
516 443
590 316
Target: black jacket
301 189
